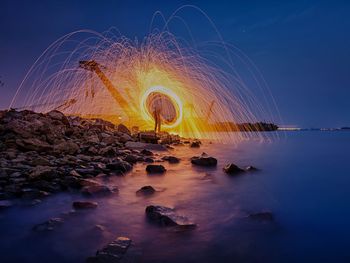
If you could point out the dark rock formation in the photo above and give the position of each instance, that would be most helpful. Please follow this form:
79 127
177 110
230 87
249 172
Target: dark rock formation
119 166
166 216
251 169
171 159
146 190
98 190
232 169
146 152
155 169
112 252
204 160
195 144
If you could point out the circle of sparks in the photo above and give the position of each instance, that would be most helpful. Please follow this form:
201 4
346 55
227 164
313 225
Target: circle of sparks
174 99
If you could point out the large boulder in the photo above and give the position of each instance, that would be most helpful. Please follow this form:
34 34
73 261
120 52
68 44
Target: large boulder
204 160
166 216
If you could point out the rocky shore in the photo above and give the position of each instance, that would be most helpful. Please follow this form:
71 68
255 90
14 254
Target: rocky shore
43 154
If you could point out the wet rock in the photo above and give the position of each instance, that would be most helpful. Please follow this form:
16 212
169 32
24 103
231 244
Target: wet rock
204 160
262 216
98 190
195 144
119 166
155 169
171 159
251 169
88 182
166 216
49 225
84 205
146 190
113 252
232 169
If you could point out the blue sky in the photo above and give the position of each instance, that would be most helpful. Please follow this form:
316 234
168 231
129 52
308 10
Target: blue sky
301 47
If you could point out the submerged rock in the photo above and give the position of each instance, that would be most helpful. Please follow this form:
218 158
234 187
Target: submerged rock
204 160
98 190
84 205
251 169
49 225
195 144
146 190
232 169
171 159
155 169
166 216
262 216
113 252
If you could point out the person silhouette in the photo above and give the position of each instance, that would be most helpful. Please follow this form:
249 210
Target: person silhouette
157 110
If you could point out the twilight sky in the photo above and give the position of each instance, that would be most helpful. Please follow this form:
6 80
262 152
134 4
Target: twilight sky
301 47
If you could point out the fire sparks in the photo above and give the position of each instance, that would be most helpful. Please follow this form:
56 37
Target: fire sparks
120 80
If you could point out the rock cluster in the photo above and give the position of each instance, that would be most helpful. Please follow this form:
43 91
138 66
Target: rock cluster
46 153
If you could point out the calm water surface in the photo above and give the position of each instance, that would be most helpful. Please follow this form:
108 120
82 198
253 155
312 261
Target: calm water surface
304 180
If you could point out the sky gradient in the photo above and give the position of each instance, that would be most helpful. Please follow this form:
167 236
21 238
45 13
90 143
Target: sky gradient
301 47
